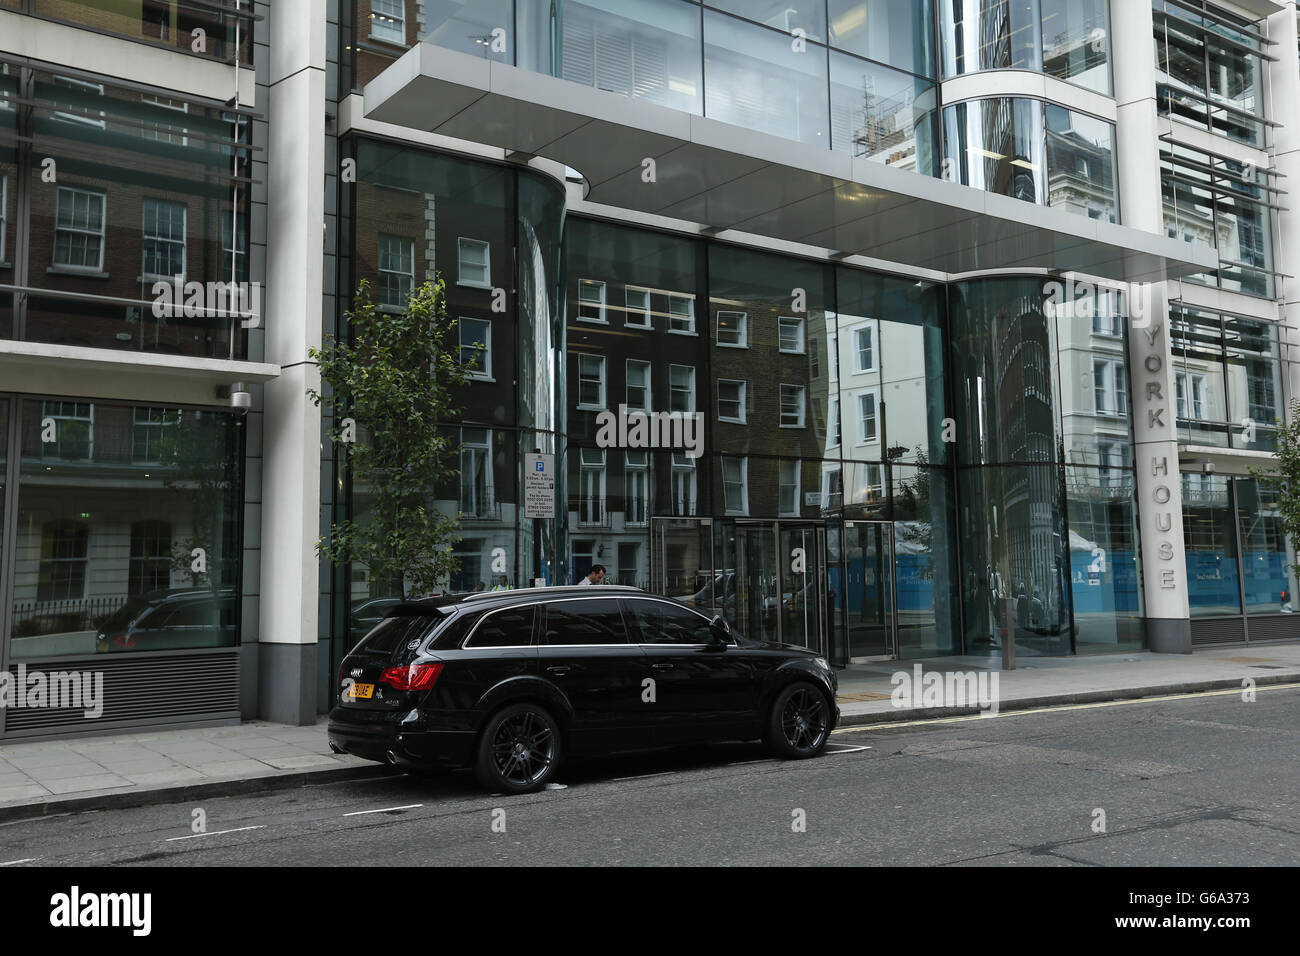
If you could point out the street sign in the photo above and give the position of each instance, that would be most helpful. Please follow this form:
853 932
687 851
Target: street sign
539 486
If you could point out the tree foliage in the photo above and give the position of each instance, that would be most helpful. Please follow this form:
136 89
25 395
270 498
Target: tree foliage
1286 474
394 381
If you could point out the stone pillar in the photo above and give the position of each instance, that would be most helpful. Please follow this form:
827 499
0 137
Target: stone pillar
1155 450
292 432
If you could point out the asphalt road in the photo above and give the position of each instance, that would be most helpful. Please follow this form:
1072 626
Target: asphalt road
1206 780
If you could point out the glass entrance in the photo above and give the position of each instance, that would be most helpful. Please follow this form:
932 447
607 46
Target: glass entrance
870 597
780 582
682 566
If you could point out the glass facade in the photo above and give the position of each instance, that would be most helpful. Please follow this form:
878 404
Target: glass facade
212 30
1227 380
1036 152
1238 558
128 203
127 528
1223 205
1068 39
1046 498
1210 67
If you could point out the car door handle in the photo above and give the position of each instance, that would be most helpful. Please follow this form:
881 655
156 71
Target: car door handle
559 670
662 667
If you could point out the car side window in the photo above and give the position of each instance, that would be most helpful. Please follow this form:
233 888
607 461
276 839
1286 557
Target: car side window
660 623
583 622
508 627
200 613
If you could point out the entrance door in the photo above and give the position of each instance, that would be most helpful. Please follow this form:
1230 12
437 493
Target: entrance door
781 582
682 567
870 598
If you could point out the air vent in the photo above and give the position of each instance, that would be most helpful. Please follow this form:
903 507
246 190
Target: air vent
1227 630
139 691
1285 627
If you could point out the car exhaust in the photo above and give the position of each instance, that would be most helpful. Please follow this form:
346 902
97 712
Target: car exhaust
391 758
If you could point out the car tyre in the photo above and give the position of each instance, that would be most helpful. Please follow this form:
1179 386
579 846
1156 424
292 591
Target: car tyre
518 750
799 723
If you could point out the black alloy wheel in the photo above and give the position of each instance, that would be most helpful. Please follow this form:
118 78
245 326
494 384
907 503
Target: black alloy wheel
800 722
518 750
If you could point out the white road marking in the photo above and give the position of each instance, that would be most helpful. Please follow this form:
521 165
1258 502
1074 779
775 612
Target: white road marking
214 833
30 859
358 813
1052 708
844 749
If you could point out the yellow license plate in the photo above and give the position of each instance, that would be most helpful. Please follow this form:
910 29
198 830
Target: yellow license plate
361 691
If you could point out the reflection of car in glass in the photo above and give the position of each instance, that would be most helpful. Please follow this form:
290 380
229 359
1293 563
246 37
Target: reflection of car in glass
719 594
369 613
179 617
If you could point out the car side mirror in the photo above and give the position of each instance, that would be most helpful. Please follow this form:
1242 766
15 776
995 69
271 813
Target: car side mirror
719 631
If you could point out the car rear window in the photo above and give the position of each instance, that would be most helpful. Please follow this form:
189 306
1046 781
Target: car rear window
397 638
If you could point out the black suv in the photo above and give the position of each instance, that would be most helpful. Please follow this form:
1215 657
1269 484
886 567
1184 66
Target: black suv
511 682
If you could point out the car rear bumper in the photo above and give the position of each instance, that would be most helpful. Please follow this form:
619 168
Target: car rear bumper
405 744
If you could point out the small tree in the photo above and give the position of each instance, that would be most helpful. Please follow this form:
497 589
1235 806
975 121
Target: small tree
388 391
1286 473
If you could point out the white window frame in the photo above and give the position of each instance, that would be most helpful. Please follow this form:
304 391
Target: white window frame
629 312
588 468
833 353
830 474
407 247
103 216
88 419
743 400
802 394
485 373
672 390
162 134
1110 380
647 388
145 237
684 482
233 234
781 484
875 418
674 315
4 220
636 472
386 15
1194 396
782 322
834 434
600 404
742 329
461 244
744 484
583 303
870 329
84 119
486 508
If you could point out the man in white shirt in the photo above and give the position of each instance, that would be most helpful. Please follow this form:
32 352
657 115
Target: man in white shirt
594 576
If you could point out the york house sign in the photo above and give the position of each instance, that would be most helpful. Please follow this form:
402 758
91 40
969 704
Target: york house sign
1157 403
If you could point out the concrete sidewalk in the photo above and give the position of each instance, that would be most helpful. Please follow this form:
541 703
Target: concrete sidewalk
164 766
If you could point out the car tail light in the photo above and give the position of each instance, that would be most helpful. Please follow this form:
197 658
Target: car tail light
411 676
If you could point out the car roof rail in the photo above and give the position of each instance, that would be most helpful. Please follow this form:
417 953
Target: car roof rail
600 588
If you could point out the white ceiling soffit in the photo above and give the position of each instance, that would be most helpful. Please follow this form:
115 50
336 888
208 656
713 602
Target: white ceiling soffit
727 177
